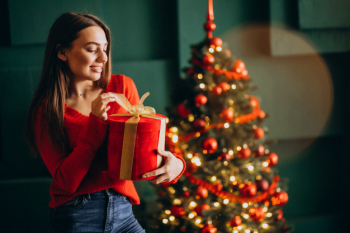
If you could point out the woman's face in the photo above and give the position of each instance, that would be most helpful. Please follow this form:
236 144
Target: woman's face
88 54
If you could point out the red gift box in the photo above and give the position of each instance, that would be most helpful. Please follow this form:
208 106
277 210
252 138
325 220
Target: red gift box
133 142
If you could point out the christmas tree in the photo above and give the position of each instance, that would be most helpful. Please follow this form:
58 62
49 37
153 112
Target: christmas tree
230 184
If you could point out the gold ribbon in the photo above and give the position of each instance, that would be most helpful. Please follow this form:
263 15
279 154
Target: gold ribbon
130 131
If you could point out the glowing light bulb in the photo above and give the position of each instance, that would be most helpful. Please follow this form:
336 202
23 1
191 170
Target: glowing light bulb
175 138
269 215
230 152
226 125
165 221
167 211
265 164
250 167
193 204
246 216
167 120
190 118
245 205
239 227
198 220
226 201
235 231
247 231
233 86
213 178
265 225
264 209
216 204
202 85
200 76
173 129
177 201
172 218
191 215
218 49
239 148
189 155
211 50
232 178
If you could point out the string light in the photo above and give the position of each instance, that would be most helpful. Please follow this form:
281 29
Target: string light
239 148
211 50
268 214
196 160
250 167
232 178
230 152
218 49
239 227
265 225
171 190
226 125
265 164
278 190
213 178
246 216
165 221
233 86
167 120
173 129
200 76
189 155
190 118
247 231
191 215
167 211
265 209
225 163
245 205
175 138
202 85
177 201
226 201
193 204
198 221
172 218
216 204
235 231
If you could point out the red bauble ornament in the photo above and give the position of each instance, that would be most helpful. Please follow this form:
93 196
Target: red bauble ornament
192 167
279 199
209 229
258 133
244 74
186 194
228 53
210 26
244 153
238 66
225 156
202 192
210 144
216 41
227 115
200 99
177 211
262 114
216 90
224 86
182 111
256 214
260 152
204 207
199 124
262 185
272 159
217 187
236 221
280 214
249 190
208 59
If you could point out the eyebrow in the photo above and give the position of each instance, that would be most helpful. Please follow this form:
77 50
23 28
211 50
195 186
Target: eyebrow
95 43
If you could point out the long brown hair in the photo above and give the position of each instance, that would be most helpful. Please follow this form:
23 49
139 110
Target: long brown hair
52 90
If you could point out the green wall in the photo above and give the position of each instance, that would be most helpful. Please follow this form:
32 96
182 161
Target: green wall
296 52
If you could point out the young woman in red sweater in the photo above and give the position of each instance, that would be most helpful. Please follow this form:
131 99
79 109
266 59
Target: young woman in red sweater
67 125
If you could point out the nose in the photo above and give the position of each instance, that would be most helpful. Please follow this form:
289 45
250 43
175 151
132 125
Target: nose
102 57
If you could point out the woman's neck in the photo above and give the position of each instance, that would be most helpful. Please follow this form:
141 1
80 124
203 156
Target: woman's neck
81 89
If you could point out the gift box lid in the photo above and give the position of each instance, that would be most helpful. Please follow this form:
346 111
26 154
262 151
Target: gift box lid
145 124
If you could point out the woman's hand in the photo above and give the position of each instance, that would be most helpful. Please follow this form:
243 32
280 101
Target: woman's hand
169 171
99 106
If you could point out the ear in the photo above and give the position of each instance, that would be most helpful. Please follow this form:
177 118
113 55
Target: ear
61 53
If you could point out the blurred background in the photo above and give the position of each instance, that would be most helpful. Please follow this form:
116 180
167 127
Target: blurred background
296 53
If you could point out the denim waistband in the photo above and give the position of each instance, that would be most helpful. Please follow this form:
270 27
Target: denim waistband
103 192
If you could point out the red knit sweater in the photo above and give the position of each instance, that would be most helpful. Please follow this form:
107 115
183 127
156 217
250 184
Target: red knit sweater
84 170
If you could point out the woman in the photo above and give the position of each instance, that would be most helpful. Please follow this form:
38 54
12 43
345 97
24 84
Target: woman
67 125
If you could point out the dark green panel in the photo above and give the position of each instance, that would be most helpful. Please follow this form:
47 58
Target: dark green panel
4 24
321 224
24 205
141 29
30 21
227 13
324 14
21 56
314 168
284 12
151 76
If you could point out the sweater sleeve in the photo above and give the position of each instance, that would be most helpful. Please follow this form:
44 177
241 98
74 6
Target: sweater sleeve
68 170
183 168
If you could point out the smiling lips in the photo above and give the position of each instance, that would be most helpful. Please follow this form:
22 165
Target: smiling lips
97 69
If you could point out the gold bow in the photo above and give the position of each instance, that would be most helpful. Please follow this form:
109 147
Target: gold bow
130 131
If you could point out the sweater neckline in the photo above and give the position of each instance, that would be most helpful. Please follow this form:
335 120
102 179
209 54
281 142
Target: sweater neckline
78 115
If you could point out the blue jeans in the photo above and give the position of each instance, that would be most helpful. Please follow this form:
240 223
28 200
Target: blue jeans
106 211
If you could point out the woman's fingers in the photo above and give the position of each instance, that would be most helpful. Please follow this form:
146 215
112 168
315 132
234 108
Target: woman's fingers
165 153
156 172
160 179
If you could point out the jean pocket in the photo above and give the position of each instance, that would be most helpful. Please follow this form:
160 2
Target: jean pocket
75 203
